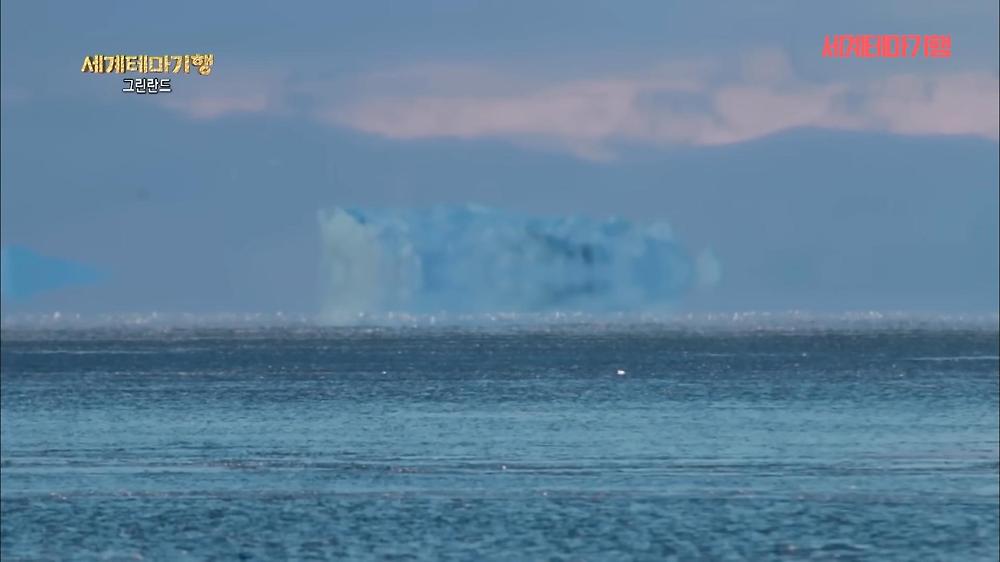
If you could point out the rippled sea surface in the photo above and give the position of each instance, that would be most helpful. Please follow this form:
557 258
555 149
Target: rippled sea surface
509 444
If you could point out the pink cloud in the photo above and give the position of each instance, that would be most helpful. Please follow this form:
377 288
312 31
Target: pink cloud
237 91
210 107
685 102
585 115
960 104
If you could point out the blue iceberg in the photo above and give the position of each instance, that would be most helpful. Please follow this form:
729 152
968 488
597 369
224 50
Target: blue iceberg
472 259
24 273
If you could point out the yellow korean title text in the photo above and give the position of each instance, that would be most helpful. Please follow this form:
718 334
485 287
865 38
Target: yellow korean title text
148 64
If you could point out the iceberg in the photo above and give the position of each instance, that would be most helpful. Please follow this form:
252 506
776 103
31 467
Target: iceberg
25 273
472 259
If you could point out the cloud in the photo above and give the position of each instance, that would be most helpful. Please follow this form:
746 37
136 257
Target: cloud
233 92
691 103
208 107
958 104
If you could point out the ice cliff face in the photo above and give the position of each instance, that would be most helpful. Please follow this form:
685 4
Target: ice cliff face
473 259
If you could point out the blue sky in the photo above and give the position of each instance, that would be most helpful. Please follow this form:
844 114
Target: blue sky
821 184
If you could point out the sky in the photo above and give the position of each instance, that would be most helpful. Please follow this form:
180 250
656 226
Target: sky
821 184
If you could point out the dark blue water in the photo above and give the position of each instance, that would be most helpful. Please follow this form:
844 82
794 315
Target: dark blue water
439 444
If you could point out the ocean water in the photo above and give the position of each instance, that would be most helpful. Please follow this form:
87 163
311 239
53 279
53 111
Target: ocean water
870 443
